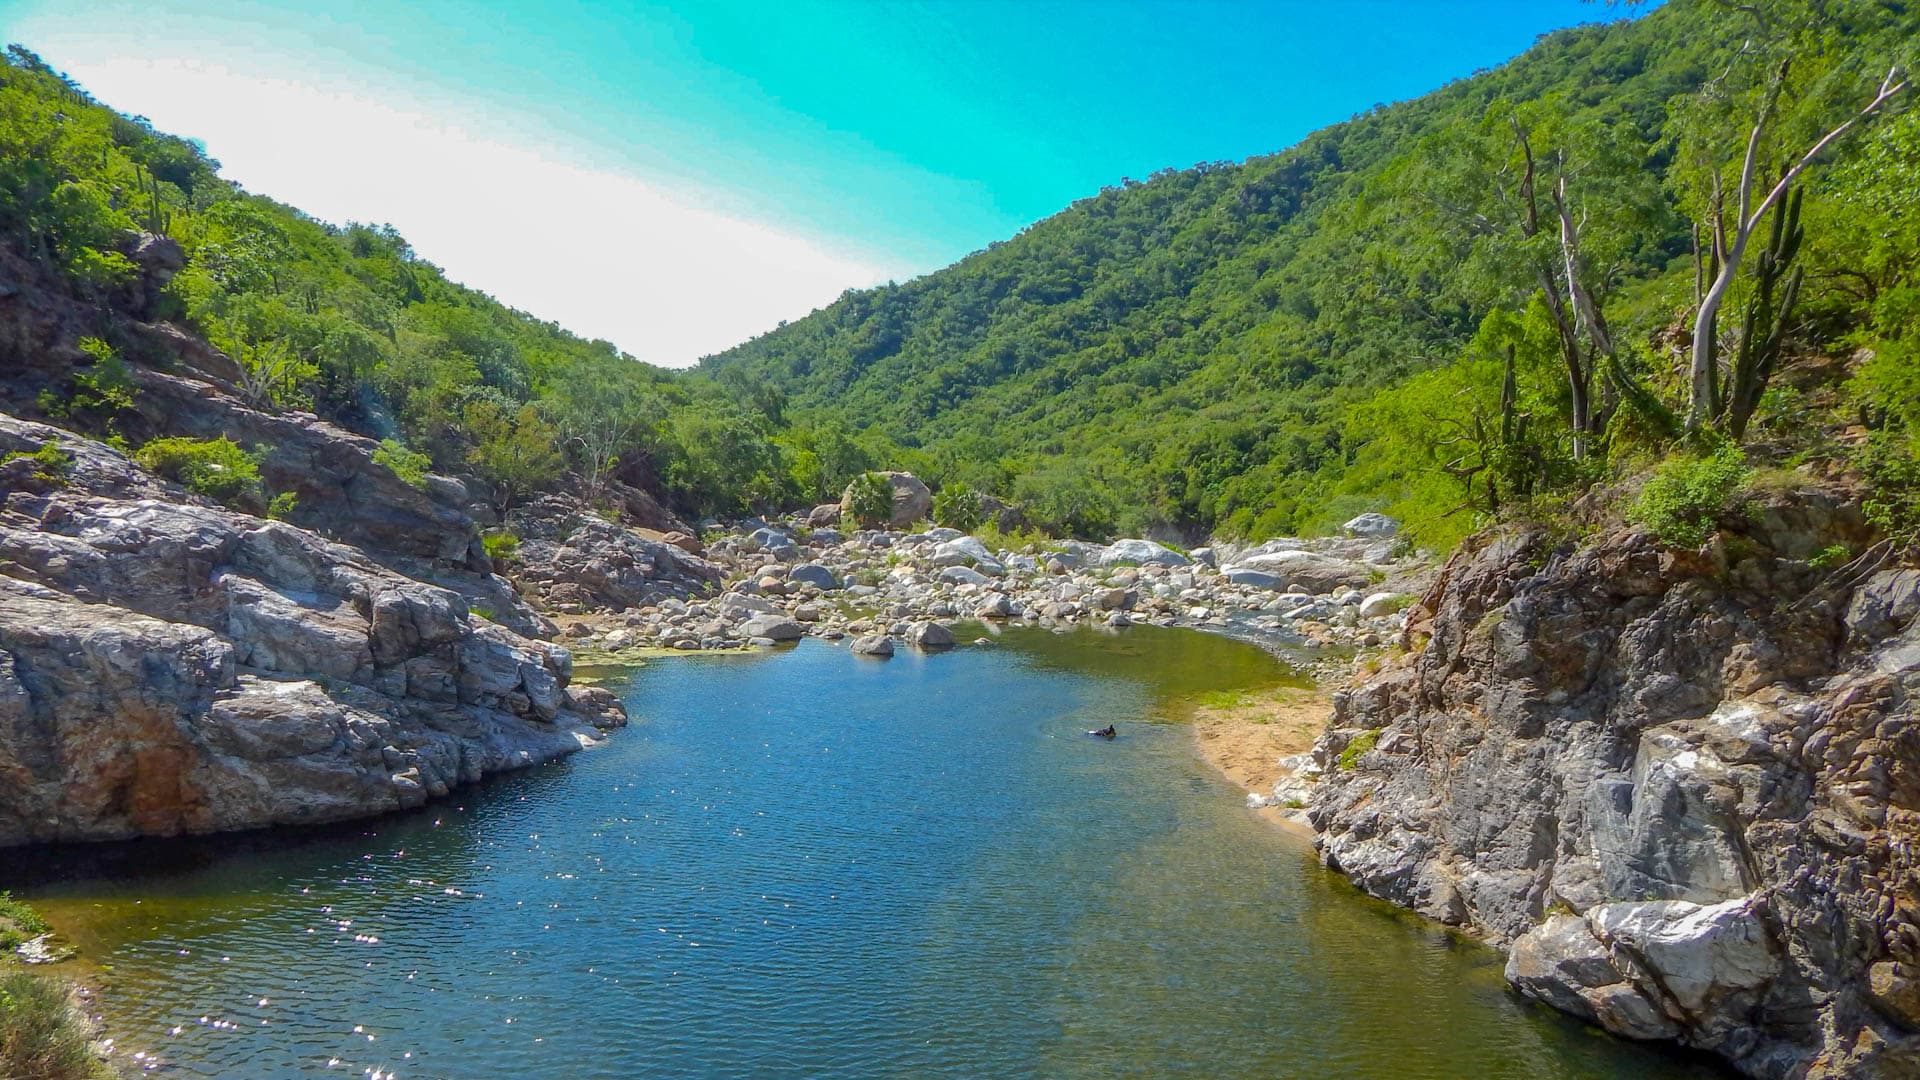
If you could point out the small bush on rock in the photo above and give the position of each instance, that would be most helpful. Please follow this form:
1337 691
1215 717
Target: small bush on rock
870 500
410 466
957 506
1019 539
216 468
18 922
105 388
1684 499
1357 748
50 463
501 544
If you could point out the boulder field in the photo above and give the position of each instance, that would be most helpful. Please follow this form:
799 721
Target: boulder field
898 587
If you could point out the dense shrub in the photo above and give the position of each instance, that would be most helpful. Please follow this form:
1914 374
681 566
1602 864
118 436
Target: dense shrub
1685 497
957 506
870 499
216 468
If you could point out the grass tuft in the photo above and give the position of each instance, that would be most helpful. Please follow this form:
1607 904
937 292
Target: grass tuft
43 1033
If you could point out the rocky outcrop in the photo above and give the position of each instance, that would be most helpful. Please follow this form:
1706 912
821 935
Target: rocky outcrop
574 560
168 666
339 490
1682 788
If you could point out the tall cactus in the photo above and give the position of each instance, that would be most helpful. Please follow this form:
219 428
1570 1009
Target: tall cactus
1763 331
158 218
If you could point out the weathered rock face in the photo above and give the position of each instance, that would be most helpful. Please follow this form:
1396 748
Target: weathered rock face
575 560
169 667
1683 789
341 492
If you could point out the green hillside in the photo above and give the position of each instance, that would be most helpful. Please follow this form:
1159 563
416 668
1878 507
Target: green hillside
1390 315
349 321
1207 347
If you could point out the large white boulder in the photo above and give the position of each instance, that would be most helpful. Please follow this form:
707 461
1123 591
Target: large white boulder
1372 526
772 627
1141 553
1381 603
1701 952
1309 569
1258 579
966 551
1650 969
963 575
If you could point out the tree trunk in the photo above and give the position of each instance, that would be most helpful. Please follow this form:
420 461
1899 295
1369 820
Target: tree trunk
1704 404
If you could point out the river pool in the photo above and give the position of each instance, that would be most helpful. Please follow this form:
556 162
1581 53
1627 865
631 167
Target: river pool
804 863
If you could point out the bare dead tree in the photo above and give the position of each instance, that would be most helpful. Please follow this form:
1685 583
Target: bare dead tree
1704 403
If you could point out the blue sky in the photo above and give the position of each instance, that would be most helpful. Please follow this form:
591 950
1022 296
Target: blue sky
678 177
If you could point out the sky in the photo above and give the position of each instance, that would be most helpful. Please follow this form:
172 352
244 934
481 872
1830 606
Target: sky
679 177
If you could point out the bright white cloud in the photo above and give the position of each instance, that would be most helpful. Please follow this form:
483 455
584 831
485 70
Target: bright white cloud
604 255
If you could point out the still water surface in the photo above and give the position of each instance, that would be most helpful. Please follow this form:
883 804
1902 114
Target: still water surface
807 863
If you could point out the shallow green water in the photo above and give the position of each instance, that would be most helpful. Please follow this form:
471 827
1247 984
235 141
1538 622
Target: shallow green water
814 864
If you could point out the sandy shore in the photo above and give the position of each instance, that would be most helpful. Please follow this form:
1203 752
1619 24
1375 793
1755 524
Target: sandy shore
1245 736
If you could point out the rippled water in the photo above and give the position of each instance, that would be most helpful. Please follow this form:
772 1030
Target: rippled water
812 864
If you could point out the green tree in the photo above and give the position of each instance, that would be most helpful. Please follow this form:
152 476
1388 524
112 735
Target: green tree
604 412
513 450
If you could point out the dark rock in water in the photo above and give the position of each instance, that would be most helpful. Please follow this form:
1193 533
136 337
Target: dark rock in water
930 636
1683 789
873 645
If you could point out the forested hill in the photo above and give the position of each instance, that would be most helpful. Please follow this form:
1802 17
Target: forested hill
1207 347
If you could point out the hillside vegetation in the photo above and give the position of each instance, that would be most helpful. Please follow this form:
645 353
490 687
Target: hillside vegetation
349 322
1273 346
1479 302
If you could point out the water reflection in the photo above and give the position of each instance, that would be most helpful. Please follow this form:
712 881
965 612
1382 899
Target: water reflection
812 864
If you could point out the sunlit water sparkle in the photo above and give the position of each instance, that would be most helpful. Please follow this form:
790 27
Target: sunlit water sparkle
808 863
